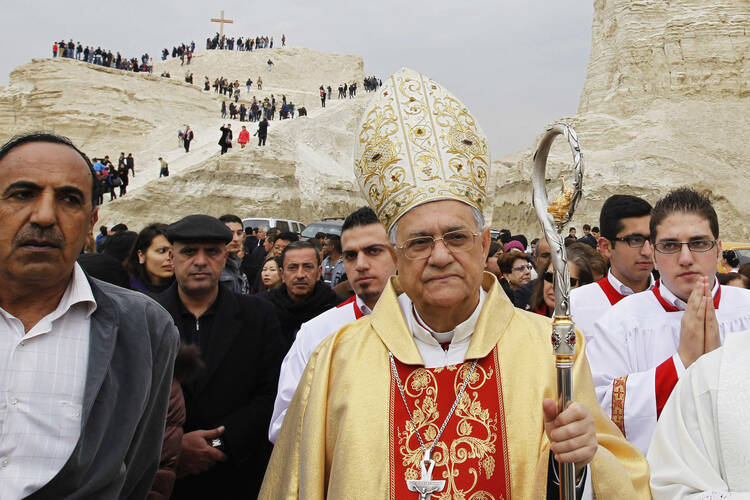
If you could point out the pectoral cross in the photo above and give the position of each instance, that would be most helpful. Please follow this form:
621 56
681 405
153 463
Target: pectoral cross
425 486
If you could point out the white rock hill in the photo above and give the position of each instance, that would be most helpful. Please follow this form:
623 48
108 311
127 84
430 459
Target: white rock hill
666 103
304 172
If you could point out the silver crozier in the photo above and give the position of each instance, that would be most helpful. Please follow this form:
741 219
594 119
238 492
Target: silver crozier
553 218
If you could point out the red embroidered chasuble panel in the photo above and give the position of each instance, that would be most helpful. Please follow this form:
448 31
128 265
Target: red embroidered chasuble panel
472 454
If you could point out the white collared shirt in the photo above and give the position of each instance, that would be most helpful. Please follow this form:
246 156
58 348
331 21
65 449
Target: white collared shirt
589 302
673 299
42 380
428 341
623 288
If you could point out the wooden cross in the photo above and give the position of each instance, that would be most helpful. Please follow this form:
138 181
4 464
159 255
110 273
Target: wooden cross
221 22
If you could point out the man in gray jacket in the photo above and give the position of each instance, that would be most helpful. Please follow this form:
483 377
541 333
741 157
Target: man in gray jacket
85 366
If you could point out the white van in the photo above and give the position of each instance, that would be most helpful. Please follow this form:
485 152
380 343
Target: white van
283 225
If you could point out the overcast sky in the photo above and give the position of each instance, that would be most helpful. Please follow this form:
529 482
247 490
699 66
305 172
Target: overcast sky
517 65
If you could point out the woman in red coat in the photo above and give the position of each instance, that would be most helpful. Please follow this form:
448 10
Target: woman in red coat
244 137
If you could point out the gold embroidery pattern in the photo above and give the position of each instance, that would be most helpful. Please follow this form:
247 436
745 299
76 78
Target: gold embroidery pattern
472 432
618 402
418 143
501 420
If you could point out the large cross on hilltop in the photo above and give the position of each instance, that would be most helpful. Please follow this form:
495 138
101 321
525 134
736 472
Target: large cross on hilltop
221 22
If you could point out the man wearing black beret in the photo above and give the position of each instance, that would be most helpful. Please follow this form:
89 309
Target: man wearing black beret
229 404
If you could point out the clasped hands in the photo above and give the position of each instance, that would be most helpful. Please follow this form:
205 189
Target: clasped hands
699 330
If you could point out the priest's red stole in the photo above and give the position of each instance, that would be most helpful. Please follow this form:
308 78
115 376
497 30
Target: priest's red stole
472 454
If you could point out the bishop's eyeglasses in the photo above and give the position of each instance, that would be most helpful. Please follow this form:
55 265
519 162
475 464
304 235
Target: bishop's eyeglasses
455 241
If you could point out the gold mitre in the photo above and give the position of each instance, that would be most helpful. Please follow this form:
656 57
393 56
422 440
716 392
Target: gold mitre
417 143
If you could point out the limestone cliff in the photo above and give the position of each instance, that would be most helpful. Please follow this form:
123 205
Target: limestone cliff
666 103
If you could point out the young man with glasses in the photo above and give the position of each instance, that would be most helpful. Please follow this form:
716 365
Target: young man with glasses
624 220
643 345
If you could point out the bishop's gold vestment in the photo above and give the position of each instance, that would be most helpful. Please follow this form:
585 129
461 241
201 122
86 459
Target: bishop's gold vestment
335 440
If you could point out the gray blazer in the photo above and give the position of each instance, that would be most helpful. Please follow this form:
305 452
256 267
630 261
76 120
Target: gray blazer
132 349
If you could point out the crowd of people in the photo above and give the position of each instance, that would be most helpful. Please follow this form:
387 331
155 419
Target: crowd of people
248 43
110 179
371 84
258 110
412 345
184 51
101 57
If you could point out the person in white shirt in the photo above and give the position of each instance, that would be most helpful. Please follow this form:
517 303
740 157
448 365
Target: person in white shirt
643 344
85 366
369 260
701 446
624 242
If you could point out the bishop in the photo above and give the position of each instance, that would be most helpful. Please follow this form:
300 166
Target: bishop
444 363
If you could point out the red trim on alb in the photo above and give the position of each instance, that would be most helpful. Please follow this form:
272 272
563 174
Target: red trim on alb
671 308
666 379
666 305
357 312
613 295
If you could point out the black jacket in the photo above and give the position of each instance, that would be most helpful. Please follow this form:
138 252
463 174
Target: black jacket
226 136
292 314
253 263
236 389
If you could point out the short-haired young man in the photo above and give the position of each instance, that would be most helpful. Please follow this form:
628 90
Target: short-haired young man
643 344
588 238
625 243
369 260
281 242
232 275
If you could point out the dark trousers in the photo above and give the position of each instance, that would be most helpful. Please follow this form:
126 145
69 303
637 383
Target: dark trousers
224 148
261 140
123 189
187 146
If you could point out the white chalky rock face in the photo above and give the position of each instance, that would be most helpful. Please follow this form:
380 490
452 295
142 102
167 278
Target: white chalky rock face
305 172
666 103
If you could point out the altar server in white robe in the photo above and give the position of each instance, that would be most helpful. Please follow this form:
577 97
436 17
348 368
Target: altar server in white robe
701 447
642 345
369 261
624 242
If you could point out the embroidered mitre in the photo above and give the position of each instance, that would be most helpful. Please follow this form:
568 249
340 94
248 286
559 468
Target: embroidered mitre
417 143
